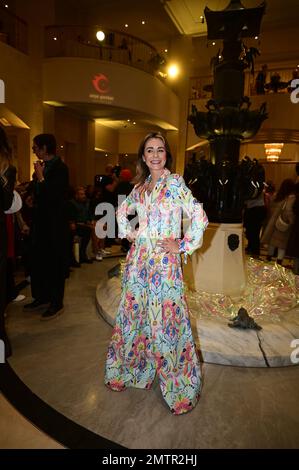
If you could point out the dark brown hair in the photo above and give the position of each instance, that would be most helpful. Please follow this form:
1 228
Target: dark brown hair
142 170
287 187
47 140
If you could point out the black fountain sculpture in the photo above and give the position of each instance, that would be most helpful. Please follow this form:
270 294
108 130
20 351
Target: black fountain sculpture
226 183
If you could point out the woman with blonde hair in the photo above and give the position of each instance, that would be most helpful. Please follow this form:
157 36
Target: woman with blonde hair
7 183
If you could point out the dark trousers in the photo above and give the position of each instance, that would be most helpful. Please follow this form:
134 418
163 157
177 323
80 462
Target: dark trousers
11 290
84 232
48 274
253 221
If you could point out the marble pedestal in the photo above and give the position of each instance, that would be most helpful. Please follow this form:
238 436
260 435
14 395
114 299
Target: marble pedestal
270 347
219 265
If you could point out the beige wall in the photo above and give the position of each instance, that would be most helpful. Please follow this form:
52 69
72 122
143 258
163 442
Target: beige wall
23 78
75 141
129 88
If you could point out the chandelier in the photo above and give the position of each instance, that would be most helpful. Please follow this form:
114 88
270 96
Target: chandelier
273 151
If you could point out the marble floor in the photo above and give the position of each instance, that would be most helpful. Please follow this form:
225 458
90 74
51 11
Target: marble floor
62 363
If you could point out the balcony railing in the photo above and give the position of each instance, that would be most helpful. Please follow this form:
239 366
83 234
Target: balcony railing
13 30
276 81
81 41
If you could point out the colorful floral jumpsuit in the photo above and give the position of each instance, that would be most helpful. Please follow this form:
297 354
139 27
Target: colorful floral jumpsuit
152 333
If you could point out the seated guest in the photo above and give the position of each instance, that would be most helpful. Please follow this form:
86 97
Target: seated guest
80 221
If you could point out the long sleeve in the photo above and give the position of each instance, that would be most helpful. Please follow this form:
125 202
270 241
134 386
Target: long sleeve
198 219
127 207
7 187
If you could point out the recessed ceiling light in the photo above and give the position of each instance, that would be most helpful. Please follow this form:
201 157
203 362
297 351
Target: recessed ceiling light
142 22
128 120
6 6
55 39
134 123
173 71
126 25
213 43
100 35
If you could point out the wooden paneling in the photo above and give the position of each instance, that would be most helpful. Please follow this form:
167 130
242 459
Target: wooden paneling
279 171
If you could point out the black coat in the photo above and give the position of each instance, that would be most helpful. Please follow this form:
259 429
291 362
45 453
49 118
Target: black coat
49 232
49 224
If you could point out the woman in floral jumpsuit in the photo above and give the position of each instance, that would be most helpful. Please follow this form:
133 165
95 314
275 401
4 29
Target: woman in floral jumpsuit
152 333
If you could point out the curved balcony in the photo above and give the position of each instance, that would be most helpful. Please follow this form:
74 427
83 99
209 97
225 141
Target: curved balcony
276 81
81 41
13 30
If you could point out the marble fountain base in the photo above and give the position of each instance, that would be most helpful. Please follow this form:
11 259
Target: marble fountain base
270 347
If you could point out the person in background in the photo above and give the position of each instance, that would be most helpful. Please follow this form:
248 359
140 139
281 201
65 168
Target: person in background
80 222
123 189
49 231
7 184
254 216
293 243
260 80
282 205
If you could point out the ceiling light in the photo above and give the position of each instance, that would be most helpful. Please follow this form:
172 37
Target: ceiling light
126 25
142 22
173 71
57 104
273 151
126 154
106 154
213 43
256 37
128 120
5 122
165 50
55 39
6 6
134 123
100 36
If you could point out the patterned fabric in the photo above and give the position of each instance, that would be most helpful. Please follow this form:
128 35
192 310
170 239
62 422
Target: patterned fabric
152 333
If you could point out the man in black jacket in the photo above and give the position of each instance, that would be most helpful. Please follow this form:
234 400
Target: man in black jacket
49 228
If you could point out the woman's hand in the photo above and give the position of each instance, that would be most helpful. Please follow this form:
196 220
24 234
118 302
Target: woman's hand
131 237
169 245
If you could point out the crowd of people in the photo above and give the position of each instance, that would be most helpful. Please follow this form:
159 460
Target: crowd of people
152 333
51 220
272 221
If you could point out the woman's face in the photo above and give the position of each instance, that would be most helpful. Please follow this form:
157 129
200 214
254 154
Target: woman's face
154 154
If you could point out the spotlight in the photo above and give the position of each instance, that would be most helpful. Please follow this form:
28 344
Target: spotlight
173 71
100 36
